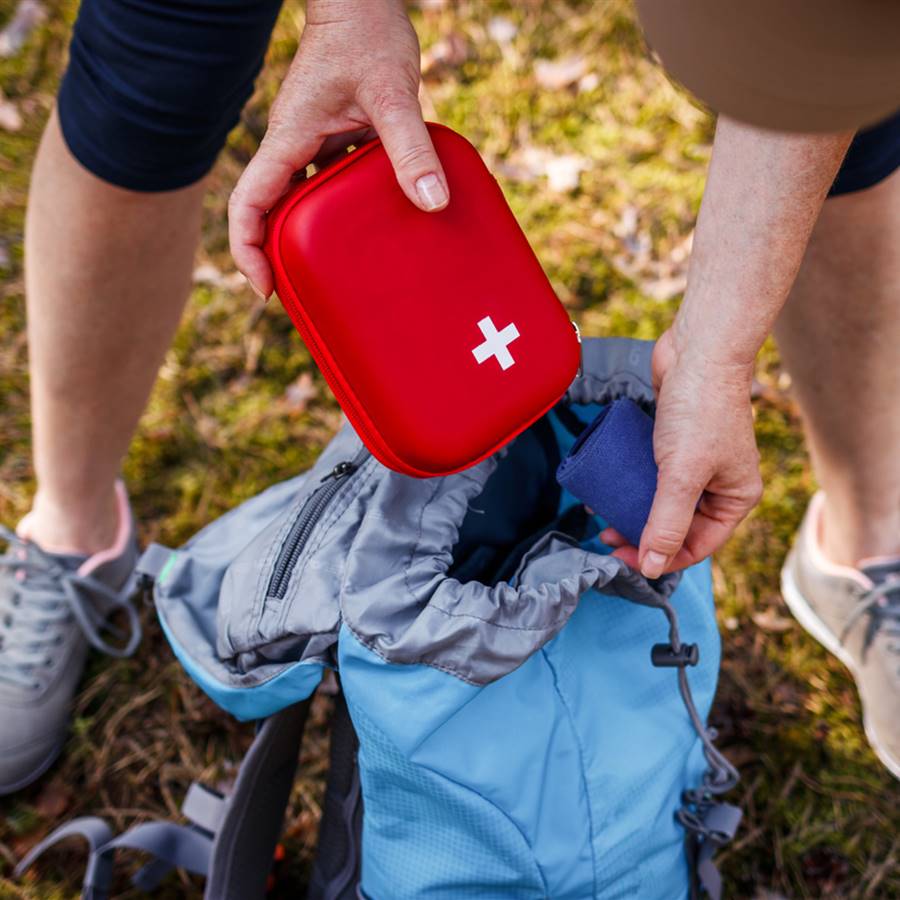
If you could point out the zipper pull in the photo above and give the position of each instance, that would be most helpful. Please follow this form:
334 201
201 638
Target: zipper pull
580 348
341 470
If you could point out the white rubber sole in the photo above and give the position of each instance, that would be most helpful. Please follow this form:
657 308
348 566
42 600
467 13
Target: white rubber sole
807 617
35 773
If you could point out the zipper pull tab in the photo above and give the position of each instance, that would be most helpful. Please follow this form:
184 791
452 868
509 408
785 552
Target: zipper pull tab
341 470
580 348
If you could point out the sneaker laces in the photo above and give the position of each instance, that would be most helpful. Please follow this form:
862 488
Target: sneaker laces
44 595
882 602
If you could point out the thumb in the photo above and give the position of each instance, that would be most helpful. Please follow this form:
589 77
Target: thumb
266 178
397 117
667 526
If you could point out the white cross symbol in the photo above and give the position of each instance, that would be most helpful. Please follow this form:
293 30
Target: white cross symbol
496 343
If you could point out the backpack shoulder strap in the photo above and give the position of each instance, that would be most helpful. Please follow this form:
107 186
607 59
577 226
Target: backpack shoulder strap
230 839
335 872
244 845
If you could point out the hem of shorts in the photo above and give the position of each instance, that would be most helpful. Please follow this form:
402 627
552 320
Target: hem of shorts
862 183
854 180
97 166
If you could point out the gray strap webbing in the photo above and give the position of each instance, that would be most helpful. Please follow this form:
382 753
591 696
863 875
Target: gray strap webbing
205 807
98 873
232 839
714 827
721 821
153 560
335 871
245 841
171 845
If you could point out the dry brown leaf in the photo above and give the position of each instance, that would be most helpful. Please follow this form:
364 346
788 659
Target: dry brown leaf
253 343
207 426
448 53
54 799
28 15
663 289
589 82
299 393
770 619
556 74
207 273
10 117
233 281
502 30
562 171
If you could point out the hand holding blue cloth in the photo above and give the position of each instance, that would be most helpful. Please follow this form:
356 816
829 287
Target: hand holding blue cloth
611 468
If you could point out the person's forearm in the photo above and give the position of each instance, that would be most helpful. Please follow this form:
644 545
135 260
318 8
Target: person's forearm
763 195
325 12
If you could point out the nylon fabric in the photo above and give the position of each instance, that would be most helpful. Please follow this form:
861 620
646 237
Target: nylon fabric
188 598
639 747
530 781
515 738
464 847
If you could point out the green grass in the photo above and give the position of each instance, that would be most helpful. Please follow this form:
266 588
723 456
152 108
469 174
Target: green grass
821 815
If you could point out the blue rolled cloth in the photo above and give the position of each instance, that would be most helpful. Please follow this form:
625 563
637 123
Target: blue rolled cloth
611 468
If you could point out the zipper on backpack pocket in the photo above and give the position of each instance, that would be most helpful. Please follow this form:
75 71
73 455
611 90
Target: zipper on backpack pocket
310 513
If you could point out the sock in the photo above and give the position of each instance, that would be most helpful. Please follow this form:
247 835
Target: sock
611 469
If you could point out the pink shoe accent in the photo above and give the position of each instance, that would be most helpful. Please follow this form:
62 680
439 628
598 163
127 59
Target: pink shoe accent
22 528
814 548
879 561
122 534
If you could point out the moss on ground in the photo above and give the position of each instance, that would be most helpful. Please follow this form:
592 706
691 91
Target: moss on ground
239 406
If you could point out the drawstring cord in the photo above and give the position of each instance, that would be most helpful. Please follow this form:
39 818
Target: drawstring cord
709 823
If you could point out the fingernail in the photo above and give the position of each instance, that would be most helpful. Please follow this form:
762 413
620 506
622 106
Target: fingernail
653 565
431 193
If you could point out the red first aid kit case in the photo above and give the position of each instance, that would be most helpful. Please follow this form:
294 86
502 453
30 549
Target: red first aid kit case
438 332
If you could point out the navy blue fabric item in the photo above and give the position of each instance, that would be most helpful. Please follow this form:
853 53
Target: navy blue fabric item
611 468
873 155
520 498
154 86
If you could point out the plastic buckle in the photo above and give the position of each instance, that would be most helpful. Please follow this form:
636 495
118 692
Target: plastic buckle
664 656
141 589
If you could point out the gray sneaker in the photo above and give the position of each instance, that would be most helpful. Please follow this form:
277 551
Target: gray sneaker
855 614
52 608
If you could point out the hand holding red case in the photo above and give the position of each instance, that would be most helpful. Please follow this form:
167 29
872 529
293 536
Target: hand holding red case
438 332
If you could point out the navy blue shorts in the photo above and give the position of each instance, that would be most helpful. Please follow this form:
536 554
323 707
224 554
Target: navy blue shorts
154 86
874 154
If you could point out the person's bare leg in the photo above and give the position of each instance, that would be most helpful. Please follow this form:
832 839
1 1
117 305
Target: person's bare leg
107 273
839 336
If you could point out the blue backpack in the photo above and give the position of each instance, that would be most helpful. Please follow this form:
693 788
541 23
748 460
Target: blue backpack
516 719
